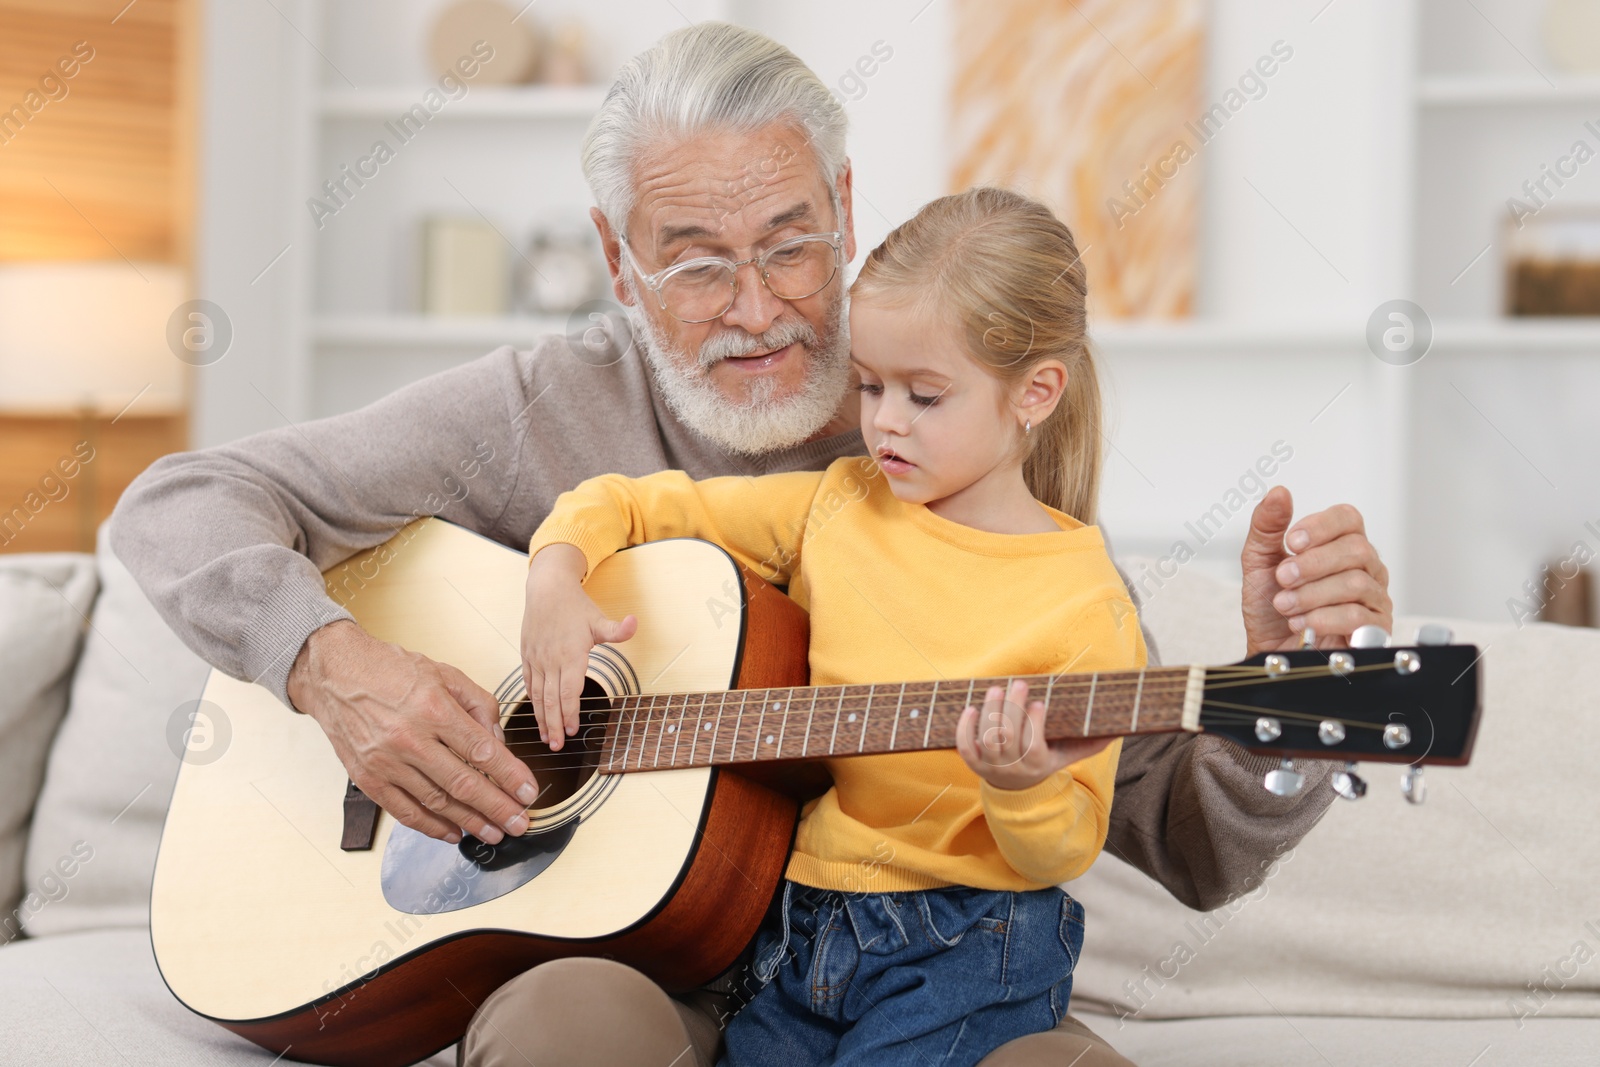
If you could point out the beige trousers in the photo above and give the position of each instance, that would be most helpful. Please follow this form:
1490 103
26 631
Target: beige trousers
581 1011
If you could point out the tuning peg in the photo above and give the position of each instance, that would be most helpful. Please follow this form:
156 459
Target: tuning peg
1412 787
1348 784
1434 633
1284 780
1370 636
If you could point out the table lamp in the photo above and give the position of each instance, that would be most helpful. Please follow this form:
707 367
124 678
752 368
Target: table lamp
87 341
89 337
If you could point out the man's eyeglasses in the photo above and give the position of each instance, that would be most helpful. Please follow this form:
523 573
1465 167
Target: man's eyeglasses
702 289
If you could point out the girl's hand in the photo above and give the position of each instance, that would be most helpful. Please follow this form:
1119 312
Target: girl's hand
560 624
1005 746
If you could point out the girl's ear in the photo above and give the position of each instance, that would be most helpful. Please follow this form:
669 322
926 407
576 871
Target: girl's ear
1037 397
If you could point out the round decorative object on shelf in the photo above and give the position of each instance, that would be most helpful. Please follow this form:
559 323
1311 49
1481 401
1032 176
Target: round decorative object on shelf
1572 35
562 269
567 62
465 27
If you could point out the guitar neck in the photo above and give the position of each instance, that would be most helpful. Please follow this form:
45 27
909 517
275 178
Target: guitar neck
671 730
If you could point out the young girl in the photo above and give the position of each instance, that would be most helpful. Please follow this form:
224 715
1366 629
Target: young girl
921 920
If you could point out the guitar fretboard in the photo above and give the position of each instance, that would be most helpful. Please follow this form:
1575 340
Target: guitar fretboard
668 730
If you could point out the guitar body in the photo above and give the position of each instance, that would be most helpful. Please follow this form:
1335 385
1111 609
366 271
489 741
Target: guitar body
263 923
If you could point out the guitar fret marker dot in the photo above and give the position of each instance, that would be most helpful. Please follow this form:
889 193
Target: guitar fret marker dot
777 705
851 717
706 726
915 712
769 739
671 728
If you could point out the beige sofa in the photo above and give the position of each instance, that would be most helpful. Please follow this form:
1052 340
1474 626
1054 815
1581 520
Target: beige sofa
1391 935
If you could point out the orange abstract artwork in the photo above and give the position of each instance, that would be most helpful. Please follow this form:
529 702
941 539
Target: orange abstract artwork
1084 105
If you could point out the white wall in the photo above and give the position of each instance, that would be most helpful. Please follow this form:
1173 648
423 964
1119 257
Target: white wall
1305 230
247 53
897 132
1327 150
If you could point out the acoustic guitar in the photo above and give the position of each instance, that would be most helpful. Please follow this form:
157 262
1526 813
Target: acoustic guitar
290 910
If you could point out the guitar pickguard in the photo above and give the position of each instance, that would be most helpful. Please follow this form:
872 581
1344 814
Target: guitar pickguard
422 875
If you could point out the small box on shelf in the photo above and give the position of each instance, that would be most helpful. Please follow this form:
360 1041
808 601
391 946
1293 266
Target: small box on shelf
1553 263
465 267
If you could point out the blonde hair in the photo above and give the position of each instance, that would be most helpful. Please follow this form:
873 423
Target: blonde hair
1006 272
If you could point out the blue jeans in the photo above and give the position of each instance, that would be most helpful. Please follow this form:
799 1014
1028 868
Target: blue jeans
938 976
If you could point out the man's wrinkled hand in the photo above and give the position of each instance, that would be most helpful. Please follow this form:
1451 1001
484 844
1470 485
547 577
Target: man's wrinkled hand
1329 578
419 737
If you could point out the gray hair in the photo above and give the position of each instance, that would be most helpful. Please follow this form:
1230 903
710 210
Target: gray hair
711 75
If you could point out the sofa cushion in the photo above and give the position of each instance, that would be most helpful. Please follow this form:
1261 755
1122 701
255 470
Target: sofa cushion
1308 1041
112 766
45 600
96 998
1194 614
1478 904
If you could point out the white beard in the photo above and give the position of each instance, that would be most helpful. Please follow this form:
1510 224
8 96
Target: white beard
762 422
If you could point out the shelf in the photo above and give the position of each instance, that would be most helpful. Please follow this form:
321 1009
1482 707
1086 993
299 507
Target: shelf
1554 335
1483 89
1203 337
519 102
432 331
1198 337
1544 335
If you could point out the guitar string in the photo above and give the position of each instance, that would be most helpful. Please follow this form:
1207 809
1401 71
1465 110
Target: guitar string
1239 677
746 706
1227 713
1254 710
1290 714
1078 680
1249 712
738 738
1162 687
600 762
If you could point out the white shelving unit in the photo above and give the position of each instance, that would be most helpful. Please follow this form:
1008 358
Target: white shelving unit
1475 90
506 154
1378 166
1498 410
526 102
432 331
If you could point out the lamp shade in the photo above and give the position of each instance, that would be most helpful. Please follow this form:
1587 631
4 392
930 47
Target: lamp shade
88 334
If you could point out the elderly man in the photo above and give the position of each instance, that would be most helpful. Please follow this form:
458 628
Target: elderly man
715 142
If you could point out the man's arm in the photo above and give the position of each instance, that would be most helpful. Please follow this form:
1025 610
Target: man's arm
229 544
1191 812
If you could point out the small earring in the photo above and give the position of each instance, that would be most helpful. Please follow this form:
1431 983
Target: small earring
1027 426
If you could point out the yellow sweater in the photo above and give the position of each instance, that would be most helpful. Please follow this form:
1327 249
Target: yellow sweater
898 593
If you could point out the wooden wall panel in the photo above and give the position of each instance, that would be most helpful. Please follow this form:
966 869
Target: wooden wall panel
93 166
61 476
96 165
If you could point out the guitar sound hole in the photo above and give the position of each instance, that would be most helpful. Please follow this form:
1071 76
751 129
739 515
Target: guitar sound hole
561 774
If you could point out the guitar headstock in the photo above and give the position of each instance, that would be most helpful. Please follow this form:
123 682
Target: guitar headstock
1406 704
